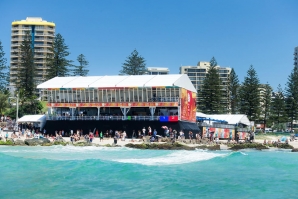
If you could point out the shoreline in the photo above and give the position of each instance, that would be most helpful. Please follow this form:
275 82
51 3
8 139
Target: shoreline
140 144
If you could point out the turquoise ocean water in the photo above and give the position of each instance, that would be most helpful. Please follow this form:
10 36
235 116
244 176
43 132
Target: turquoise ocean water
100 172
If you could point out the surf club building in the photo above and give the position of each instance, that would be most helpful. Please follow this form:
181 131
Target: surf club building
127 103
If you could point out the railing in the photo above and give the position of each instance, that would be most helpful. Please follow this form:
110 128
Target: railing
42 34
160 99
134 118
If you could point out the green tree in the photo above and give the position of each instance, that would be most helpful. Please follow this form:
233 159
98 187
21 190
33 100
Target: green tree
292 96
26 68
278 109
4 70
57 60
265 103
3 102
134 65
233 87
250 95
210 96
81 70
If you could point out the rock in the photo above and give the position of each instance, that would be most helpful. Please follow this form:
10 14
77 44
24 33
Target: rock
60 141
295 150
19 142
35 141
82 143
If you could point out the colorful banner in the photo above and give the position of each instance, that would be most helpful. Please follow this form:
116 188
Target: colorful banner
115 104
242 135
221 133
188 105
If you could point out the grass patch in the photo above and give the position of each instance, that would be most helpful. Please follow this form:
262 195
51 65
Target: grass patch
8 142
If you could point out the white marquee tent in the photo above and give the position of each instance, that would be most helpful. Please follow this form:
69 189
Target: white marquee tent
231 119
38 120
180 80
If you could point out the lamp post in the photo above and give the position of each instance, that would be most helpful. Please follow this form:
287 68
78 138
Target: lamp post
17 104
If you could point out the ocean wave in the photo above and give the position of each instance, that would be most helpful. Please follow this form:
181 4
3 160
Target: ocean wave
177 157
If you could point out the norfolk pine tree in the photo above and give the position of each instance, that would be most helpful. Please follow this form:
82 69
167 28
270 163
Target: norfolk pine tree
210 93
4 71
134 65
278 108
26 68
233 90
266 104
57 62
250 95
292 96
81 70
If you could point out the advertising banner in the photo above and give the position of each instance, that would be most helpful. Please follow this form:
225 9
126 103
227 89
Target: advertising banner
221 133
116 104
188 105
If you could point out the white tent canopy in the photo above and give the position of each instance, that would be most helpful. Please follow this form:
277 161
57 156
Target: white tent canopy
39 119
180 80
231 119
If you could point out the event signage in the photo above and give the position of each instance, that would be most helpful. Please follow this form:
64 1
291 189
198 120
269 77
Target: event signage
188 105
223 133
115 104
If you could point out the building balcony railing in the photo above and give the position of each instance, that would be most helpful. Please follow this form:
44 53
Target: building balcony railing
134 118
41 34
156 99
42 45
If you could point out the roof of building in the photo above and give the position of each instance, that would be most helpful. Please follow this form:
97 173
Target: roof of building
32 118
33 21
180 80
231 119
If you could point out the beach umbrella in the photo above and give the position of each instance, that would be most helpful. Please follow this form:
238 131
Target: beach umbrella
283 138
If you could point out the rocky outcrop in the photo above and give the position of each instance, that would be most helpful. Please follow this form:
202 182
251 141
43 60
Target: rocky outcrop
295 150
240 146
171 146
60 141
19 142
82 143
35 142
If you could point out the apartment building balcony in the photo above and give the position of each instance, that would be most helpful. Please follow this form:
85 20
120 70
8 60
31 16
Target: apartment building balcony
17 39
15 44
41 50
21 28
40 56
42 45
43 34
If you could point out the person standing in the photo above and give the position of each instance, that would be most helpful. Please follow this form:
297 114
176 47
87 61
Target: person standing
149 131
91 137
144 131
6 136
190 136
123 136
101 136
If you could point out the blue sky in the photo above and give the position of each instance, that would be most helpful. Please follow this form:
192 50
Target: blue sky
170 33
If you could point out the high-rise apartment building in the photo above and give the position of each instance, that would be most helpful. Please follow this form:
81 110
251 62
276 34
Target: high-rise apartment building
296 57
198 73
157 71
42 35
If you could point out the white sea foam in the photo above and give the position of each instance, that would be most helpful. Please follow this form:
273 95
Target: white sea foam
63 152
177 157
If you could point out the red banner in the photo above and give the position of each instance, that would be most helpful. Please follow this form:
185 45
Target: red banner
173 118
188 105
115 104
